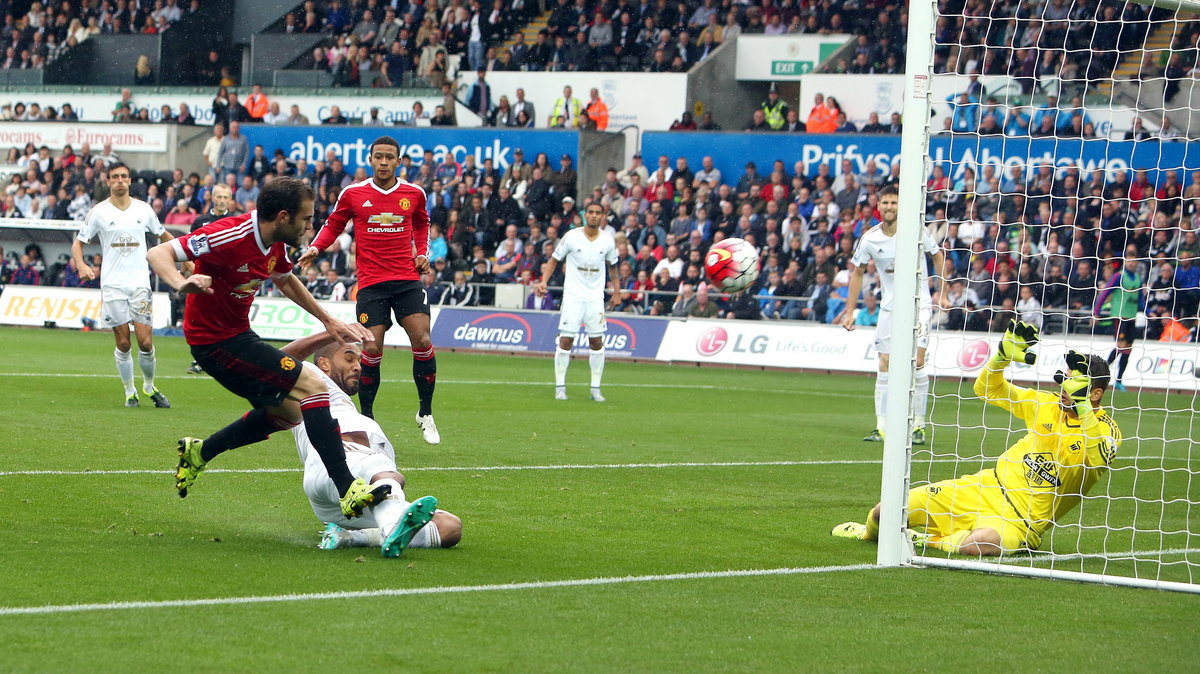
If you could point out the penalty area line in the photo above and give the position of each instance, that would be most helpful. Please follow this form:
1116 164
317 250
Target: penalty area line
418 591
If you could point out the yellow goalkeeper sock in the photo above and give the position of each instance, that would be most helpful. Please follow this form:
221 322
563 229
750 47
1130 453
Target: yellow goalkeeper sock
949 543
872 533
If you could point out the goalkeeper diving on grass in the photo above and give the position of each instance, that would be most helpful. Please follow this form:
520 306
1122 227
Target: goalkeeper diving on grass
1069 443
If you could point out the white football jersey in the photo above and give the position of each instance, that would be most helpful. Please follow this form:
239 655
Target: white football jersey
342 408
875 245
123 241
586 263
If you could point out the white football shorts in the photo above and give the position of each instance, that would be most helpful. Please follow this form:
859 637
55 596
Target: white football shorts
576 312
883 331
323 494
122 306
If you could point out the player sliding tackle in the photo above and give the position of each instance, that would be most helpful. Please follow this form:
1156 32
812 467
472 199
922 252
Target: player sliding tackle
233 257
1071 441
392 524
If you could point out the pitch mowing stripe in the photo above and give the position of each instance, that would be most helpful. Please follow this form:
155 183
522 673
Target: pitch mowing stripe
565 466
416 591
467 382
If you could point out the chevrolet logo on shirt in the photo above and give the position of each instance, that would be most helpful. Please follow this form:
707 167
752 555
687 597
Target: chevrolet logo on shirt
386 222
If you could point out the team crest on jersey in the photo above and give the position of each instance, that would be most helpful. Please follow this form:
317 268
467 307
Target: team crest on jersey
1041 470
271 264
405 204
287 363
362 318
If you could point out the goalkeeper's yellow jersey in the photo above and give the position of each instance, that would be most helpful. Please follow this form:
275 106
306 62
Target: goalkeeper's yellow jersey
1049 470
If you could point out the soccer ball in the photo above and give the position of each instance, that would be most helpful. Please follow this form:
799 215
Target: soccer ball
731 265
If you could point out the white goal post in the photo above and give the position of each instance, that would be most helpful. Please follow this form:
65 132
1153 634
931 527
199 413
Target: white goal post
1139 524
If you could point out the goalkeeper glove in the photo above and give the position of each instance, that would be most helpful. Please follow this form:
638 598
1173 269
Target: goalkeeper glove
1016 342
1076 382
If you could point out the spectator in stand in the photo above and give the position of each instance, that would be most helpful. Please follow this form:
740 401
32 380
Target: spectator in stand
595 112
181 216
335 116
257 104
143 75
25 274
758 122
233 152
822 118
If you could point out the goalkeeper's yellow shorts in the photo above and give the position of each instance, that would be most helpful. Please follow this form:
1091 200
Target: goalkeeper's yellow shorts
968 503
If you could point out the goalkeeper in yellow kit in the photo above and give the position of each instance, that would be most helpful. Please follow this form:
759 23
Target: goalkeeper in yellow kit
1069 444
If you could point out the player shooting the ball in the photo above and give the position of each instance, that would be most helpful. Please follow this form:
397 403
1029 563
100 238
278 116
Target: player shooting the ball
1070 443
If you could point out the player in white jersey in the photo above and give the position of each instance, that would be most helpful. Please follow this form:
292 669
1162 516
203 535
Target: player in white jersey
122 222
587 252
879 244
391 525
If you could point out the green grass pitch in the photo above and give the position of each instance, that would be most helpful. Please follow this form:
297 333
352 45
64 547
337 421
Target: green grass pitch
581 510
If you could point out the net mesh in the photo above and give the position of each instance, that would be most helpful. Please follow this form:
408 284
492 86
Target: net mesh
1064 192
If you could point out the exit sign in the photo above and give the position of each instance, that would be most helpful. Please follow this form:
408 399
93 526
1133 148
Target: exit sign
791 67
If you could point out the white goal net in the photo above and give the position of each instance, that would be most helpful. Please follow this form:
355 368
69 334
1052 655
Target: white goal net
1063 183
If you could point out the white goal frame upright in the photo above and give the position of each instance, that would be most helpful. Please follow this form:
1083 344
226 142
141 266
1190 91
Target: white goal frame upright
895 549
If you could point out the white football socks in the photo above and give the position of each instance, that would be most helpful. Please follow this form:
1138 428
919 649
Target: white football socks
561 360
428 537
387 513
146 360
125 369
596 360
881 384
921 404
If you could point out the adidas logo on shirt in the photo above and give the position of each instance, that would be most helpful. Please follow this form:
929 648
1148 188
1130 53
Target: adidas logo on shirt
243 268
367 203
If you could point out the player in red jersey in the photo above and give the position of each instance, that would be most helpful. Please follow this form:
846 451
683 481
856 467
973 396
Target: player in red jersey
233 257
391 231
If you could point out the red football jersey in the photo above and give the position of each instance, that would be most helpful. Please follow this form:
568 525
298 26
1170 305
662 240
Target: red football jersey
387 225
232 252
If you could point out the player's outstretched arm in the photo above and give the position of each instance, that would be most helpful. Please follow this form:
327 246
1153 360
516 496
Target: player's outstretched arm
991 384
294 289
304 347
162 260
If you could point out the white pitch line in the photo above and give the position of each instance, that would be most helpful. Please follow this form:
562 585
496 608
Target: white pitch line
565 466
417 591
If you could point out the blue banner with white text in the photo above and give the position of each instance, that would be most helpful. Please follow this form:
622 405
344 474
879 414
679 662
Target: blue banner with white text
492 329
352 143
731 151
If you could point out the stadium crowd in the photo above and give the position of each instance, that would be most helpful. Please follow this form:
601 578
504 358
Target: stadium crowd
49 29
395 45
1041 244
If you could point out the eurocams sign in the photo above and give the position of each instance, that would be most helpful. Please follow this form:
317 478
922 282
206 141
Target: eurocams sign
55 135
784 57
66 307
99 107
